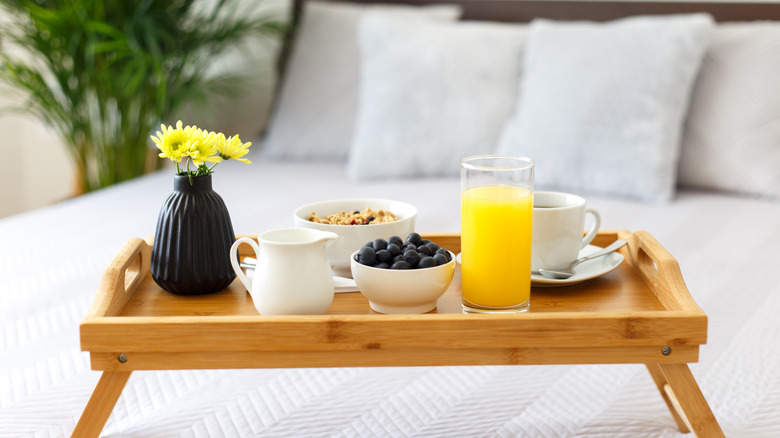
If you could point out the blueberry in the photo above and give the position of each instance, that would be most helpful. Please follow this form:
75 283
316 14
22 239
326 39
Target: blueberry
396 240
445 253
424 250
380 244
383 256
367 256
394 249
414 238
412 257
394 253
440 259
426 262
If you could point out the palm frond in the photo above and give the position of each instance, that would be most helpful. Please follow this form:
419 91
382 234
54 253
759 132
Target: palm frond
104 74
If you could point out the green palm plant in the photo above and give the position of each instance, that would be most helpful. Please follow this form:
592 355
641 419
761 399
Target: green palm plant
104 73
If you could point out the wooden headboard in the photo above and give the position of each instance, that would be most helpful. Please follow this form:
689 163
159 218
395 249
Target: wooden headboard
520 11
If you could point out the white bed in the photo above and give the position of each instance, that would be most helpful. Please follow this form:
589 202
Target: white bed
51 261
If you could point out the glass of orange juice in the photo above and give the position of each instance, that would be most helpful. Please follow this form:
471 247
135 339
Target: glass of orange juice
496 219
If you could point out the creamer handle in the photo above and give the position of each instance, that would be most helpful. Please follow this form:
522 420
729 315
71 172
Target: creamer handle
236 264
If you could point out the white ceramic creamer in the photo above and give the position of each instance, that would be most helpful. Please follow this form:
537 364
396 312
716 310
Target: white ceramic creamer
293 276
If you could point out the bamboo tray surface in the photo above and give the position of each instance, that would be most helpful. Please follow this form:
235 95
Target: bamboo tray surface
619 291
640 307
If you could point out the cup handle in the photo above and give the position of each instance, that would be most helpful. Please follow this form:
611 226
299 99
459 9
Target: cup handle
235 262
594 229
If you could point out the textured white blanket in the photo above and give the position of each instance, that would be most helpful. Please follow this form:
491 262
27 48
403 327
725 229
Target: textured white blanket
51 261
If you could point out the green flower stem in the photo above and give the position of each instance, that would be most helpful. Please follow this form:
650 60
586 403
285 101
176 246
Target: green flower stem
189 174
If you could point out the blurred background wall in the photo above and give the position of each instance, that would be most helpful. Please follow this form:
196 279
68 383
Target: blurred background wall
36 169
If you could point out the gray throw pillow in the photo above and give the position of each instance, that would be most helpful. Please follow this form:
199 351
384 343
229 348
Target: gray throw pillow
432 93
602 105
731 140
314 116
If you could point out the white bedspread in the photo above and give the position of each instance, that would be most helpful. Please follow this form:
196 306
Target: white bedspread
51 261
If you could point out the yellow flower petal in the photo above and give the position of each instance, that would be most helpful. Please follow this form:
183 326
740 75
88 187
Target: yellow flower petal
198 145
232 148
172 143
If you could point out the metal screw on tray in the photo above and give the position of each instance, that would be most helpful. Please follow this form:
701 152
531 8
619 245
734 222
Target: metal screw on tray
122 358
666 351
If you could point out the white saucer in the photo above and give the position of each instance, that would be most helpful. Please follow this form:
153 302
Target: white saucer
584 271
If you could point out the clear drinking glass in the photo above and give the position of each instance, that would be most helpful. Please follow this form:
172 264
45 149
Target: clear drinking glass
496 220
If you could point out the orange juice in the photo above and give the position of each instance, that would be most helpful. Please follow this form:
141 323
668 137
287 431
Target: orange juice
496 246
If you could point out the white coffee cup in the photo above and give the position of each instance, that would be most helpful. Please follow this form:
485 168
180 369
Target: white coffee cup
558 228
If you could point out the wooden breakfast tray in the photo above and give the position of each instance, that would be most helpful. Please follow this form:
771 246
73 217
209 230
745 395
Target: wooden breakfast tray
639 313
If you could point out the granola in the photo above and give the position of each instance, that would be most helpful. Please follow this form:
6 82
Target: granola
365 217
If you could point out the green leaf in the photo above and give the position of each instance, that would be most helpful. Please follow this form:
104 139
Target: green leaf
104 29
104 74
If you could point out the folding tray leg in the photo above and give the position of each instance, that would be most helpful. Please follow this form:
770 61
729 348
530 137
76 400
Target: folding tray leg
684 399
101 403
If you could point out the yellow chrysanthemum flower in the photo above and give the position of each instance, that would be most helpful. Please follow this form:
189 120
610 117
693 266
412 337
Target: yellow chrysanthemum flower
231 148
198 147
203 146
172 143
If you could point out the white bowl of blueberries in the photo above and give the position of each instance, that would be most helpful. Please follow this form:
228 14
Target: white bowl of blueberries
402 276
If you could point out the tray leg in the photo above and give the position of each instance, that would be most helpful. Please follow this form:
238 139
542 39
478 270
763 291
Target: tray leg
685 400
660 382
101 403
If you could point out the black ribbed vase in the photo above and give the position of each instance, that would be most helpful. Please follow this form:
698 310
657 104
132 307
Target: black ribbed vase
190 255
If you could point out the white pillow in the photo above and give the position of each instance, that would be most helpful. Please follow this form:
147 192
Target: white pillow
315 112
602 105
432 93
731 140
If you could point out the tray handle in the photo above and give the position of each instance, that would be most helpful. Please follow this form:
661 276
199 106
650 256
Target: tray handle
121 278
660 271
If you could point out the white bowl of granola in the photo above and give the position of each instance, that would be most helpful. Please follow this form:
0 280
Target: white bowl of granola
349 218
